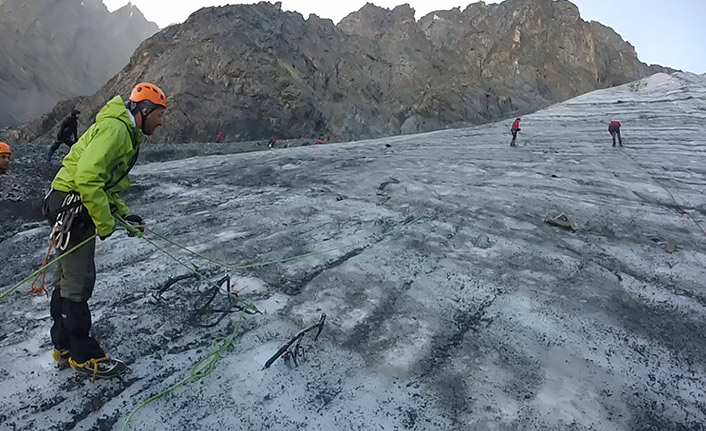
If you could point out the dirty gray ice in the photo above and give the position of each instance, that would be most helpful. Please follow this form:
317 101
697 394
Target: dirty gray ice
451 304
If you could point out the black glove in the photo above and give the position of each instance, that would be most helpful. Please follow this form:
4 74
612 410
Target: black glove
137 222
134 219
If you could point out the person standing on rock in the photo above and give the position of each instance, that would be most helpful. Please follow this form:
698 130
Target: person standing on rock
82 202
219 138
68 133
514 129
5 154
272 142
614 129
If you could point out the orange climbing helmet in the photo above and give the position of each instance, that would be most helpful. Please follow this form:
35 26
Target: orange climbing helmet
4 148
146 92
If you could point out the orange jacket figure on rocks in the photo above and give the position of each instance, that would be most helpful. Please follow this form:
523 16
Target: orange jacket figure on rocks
5 154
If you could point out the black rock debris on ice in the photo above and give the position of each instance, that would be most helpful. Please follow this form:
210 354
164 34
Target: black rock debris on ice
477 316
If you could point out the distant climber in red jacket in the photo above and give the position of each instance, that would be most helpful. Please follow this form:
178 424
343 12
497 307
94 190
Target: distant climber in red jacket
614 129
515 128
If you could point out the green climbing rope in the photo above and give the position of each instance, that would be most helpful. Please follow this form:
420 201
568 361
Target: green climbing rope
219 346
227 265
201 369
11 290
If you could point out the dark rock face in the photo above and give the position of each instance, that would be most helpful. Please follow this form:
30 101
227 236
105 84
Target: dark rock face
57 49
251 71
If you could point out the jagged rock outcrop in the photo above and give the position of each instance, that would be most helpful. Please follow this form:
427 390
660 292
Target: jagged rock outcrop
251 71
57 49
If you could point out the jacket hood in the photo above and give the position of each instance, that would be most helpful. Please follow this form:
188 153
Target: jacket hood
115 108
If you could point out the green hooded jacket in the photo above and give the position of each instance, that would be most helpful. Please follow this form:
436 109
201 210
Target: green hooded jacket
98 164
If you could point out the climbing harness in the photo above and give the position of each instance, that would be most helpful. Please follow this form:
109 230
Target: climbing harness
59 236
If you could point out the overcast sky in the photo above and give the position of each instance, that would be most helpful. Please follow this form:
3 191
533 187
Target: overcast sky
668 32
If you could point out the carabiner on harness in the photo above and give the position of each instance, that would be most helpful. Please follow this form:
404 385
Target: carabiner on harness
60 234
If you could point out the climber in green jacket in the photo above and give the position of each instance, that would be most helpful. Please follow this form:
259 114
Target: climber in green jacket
85 200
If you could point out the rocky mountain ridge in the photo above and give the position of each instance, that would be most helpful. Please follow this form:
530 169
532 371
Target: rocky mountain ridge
56 49
251 71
